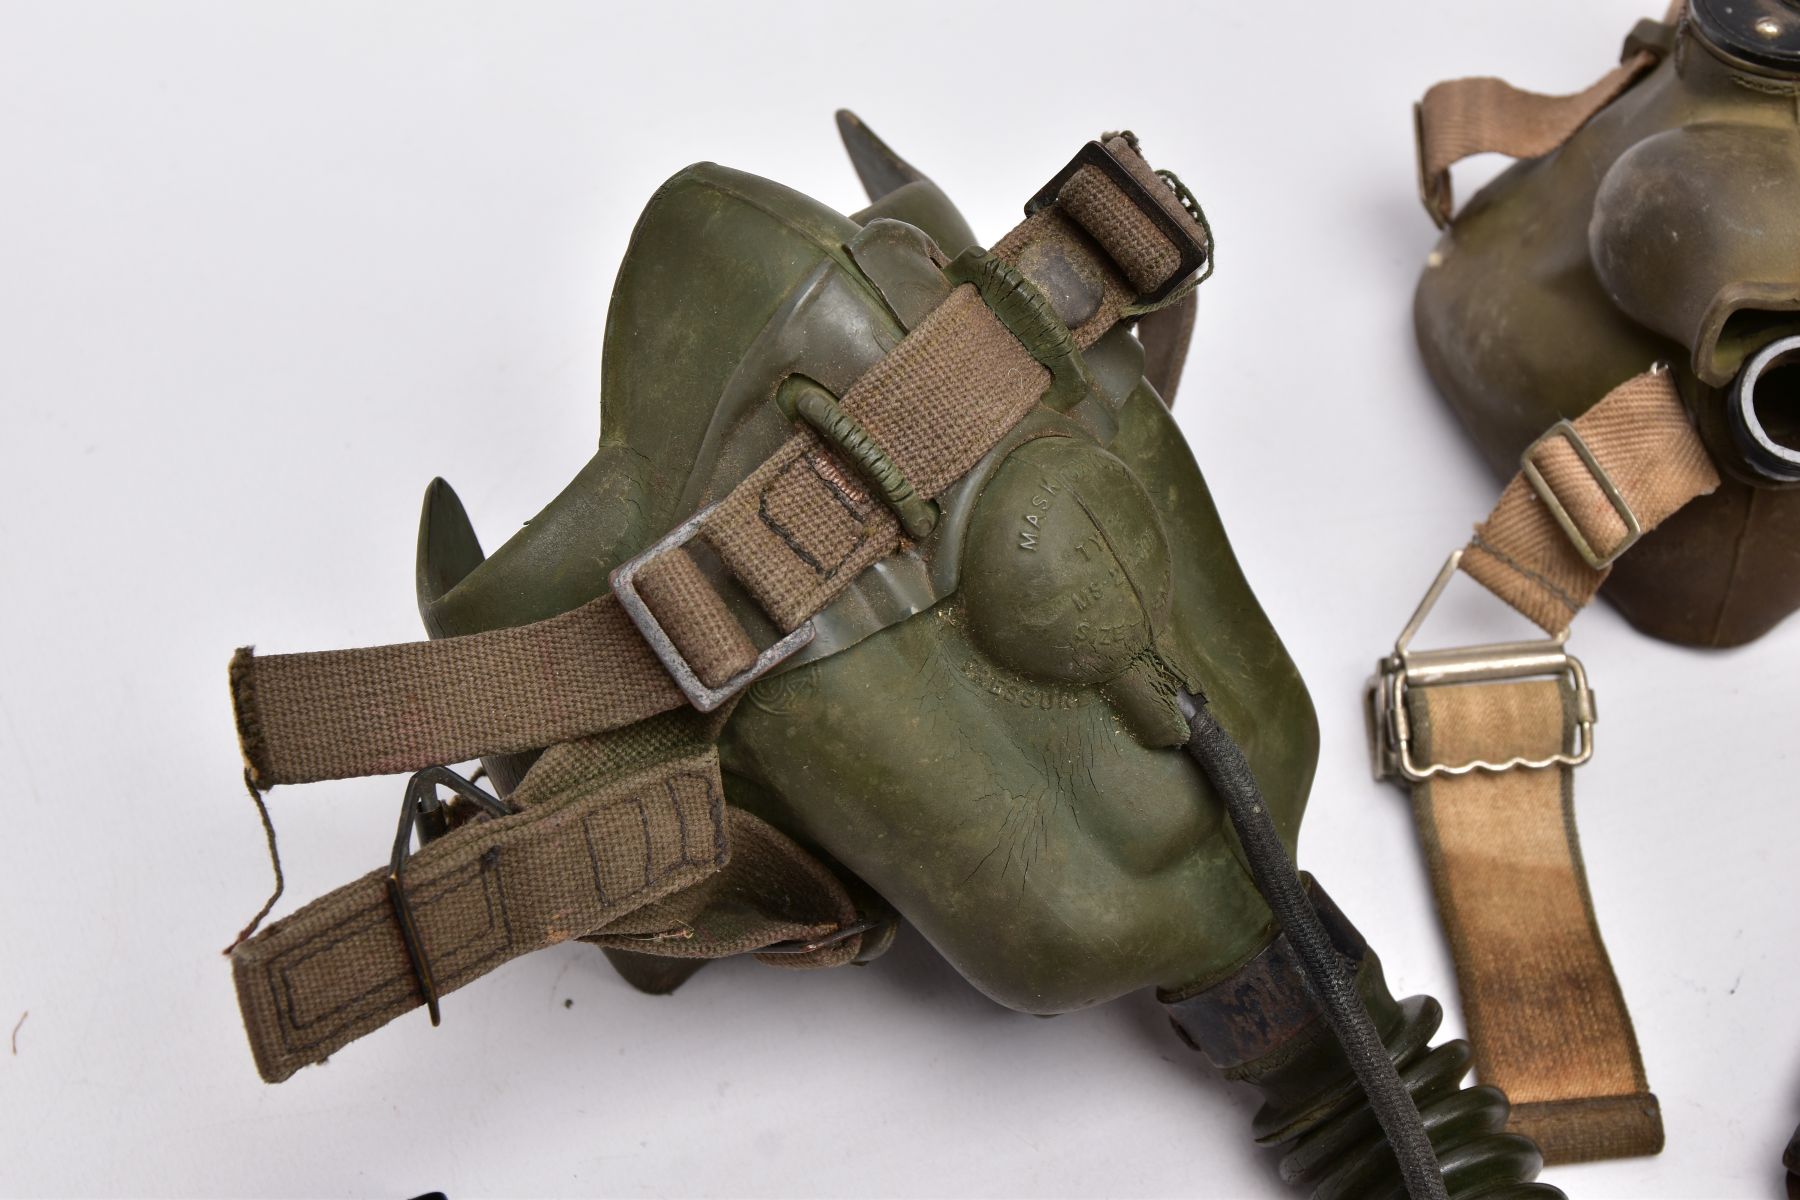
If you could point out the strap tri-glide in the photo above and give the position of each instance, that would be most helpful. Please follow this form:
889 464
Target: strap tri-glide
1488 738
622 851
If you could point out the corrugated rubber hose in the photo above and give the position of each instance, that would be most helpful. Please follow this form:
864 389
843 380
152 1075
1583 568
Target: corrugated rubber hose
1225 767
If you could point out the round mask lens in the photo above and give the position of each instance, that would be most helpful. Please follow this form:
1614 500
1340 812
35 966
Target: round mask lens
1764 33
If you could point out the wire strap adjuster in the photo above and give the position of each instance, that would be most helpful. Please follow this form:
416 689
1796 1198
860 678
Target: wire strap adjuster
421 802
1590 554
702 697
1193 244
1390 727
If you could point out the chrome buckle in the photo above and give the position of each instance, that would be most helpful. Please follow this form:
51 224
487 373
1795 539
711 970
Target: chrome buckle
701 696
1634 529
1390 729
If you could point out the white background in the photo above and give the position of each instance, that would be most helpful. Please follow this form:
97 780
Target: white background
264 270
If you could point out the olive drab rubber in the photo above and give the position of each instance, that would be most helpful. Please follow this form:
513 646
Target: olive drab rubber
1662 229
890 594
1616 319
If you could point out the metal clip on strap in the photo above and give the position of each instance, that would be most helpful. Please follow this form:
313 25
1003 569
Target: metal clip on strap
421 801
1390 727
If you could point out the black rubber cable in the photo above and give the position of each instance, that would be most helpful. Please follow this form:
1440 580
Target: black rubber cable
1225 767
1791 1160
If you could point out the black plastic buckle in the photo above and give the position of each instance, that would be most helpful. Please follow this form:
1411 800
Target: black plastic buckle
1193 249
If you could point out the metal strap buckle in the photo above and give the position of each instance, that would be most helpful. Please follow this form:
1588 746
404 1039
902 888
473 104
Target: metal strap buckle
1390 728
1634 529
701 696
1190 243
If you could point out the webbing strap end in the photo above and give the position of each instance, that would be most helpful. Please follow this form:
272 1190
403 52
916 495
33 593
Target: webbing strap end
248 717
477 897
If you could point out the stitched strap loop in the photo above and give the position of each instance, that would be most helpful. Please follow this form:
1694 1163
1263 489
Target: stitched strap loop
843 433
479 896
1640 440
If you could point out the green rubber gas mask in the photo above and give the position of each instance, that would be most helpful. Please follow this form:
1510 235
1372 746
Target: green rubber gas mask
892 594
982 723
1658 225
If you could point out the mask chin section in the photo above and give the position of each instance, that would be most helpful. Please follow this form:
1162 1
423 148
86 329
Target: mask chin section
1764 411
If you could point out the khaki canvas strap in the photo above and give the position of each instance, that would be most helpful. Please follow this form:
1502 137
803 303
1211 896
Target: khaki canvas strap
1167 334
1542 1005
1464 117
1108 239
1489 736
480 896
1588 490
